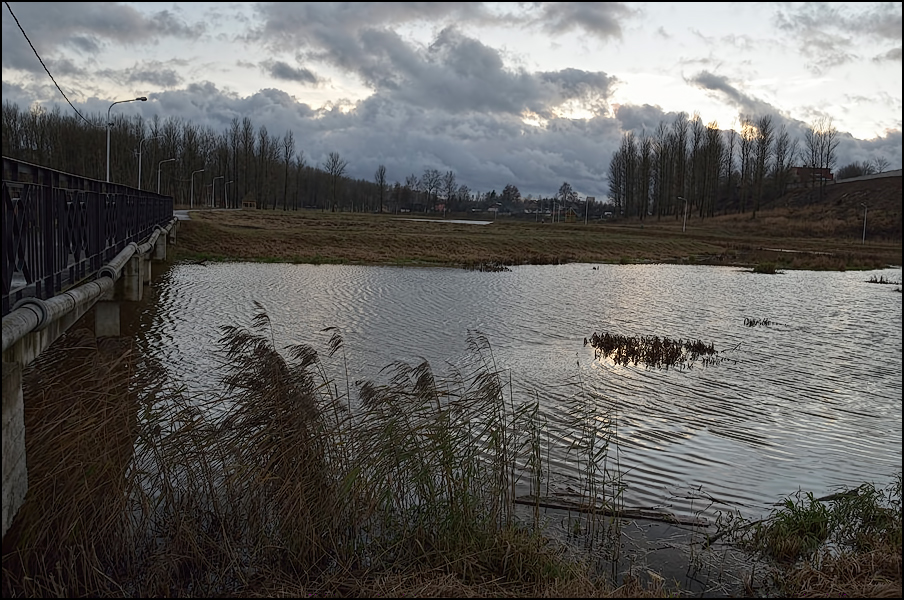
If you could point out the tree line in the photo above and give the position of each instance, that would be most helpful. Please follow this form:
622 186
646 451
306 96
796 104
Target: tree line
688 167
243 163
683 166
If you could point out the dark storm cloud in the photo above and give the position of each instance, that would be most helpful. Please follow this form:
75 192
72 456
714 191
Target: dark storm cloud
158 77
892 55
724 90
639 119
333 26
887 146
85 27
486 151
601 19
280 70
460 74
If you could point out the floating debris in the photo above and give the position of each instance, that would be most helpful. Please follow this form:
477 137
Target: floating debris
882 279
754 322
652 351
489 267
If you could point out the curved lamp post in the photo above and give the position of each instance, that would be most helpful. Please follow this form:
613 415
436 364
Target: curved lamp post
226 193
142 99
684 226
160 164
139 155
214 191
864 222
192 203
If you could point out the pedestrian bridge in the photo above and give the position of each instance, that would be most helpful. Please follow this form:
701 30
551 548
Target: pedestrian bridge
70 245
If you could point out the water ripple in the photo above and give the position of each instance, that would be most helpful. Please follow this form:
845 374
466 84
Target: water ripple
812 400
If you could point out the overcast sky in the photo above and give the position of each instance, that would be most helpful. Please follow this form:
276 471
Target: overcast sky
533 94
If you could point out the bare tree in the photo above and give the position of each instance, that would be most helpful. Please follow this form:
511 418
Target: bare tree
566 194
662 171
821 141
448 184
380 179
288 152
335 168
430 183
464 195
645 173
748 136
879 164
713 151
299 169
785 151
246 137
729 165
413 186
765 133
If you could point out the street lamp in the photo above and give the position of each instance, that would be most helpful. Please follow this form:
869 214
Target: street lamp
214 191
139 155
864 222
192 203
141 98
226 193
684 226
160 164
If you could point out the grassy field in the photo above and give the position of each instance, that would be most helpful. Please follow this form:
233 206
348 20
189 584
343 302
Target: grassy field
322 237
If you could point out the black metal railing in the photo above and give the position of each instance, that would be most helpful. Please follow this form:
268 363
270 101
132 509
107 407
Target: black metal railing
59 229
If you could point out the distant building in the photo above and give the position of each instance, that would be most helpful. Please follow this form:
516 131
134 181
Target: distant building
571 215
809 176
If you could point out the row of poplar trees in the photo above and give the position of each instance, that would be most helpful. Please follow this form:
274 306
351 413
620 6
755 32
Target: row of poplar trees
688 166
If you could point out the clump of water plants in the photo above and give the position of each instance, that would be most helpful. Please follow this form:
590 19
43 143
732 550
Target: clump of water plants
766 268
488 267
652 351
846 544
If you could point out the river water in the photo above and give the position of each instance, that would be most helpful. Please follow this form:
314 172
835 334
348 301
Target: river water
810 400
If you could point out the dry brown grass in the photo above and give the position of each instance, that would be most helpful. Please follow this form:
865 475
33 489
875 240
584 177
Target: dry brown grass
871 574
808 241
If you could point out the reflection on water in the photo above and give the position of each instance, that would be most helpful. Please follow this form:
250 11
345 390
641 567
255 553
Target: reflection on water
810 400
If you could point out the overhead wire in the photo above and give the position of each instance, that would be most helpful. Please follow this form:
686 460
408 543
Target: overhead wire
45 66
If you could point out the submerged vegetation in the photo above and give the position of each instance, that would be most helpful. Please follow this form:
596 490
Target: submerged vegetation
652 351
296 482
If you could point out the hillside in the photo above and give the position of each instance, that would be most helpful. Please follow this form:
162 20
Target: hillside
839 208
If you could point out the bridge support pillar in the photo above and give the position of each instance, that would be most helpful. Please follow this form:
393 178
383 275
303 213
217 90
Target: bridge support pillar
160 248
133 279
146 270
107 319
15 472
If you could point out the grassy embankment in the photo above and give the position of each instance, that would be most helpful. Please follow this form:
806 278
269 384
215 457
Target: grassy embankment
288 483
317 237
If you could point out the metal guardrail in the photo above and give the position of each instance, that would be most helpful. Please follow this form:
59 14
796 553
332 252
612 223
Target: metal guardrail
59 229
